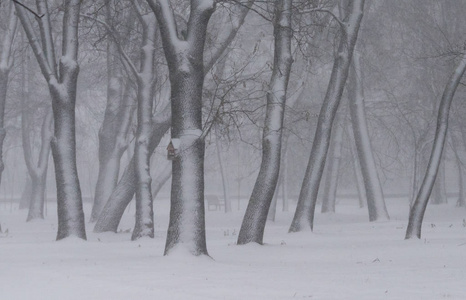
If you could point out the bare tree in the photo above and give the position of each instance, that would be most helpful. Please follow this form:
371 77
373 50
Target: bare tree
373 188
304 214
61 78
125 189
416 214
116 124
37 170
252 228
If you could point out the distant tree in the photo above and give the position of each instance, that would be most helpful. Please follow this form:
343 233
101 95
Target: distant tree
416 214
349 26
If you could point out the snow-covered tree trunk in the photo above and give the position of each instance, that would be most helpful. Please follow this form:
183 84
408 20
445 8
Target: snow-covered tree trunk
115 126
6 63
252 228
144 226
416 214
185 59
304 214
124 191
62 83
375 200
333 167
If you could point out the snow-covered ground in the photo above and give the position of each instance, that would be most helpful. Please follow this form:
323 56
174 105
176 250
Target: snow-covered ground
345 258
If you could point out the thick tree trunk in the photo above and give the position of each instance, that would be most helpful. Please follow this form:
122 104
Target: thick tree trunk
304 214
416 214
252 228
62 86
375 200
333 168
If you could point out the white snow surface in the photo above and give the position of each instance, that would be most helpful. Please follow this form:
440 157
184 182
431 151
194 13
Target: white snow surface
345 258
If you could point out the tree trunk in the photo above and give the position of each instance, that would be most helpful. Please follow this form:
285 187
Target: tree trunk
358 175
62 86
416 214
226 196
439 190
27 194
252 228
123 193
115 126
6 63
333 168
375 200
304 214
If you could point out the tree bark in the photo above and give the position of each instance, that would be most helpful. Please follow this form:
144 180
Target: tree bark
144 226
304 214
417 211
115 127
62 86
252 228
6 63
122 194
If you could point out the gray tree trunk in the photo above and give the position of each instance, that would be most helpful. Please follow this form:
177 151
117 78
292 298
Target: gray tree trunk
226 195
417 211
375 200
358 175
123 193
252 228
439 191
6 63
115 126
62 86
144 226
333 167
304 214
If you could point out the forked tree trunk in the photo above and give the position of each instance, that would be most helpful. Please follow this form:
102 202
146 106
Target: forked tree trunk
333 167
417 211
124 191
375 199
37 171
252 228
304 214
62 85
